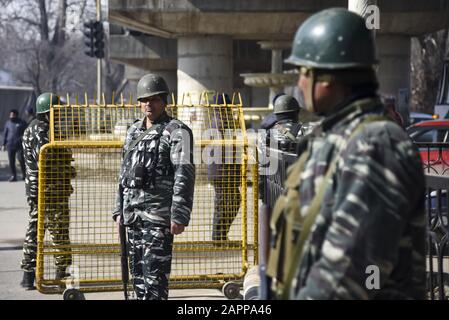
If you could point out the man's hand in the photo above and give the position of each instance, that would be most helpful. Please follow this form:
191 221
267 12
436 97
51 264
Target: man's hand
118 221
3 148
176 228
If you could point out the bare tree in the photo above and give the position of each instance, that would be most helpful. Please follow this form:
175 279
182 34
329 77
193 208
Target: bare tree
45 52
428 54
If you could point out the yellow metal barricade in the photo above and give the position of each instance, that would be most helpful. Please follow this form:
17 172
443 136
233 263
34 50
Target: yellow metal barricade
78 180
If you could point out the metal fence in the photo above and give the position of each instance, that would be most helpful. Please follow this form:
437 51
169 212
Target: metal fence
78 184
435 159
271 186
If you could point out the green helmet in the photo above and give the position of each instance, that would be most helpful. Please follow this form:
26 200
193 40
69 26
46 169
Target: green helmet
285 104
151 85
44 101
333 39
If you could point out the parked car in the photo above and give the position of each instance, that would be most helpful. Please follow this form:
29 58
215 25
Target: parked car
432 132
416 117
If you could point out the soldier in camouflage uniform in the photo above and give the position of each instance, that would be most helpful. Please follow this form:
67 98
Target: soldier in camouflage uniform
156 187
58 188
354 201
225 176
283 135
287 130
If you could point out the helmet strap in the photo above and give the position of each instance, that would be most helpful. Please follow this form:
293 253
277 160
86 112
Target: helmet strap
312 91
309 97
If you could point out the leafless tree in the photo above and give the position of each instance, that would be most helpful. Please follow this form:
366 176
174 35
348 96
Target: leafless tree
46 48
427 58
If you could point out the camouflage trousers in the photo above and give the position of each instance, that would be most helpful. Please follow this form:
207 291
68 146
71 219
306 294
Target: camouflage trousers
150 256
57 224
226 206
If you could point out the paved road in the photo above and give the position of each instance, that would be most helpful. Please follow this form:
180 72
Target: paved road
13 221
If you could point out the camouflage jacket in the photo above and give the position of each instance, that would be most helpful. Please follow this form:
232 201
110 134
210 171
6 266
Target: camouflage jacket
59 169
372 213
286 132
166 193
34 137
284 135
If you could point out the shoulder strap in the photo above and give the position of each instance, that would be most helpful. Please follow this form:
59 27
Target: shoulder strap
172 125
291 132
295 129
139 138
314 209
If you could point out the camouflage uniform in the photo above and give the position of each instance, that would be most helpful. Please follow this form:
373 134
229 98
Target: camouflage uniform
165 196
372 212
351 223
226 177
227 199
284 135
58 188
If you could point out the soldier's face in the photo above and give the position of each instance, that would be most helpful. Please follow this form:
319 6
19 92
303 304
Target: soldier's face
152 107
304 86
323 97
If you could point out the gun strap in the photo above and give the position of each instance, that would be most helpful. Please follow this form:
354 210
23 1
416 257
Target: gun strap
143 135
313 211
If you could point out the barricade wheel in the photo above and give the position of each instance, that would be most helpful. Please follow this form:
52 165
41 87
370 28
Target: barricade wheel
231 290
73 294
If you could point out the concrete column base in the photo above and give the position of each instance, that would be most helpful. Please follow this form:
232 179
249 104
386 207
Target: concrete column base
394 69
204 64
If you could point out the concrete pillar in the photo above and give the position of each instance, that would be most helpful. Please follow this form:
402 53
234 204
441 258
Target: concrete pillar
360 6
134 74
276 60
276 48
204 64
394 69
394 56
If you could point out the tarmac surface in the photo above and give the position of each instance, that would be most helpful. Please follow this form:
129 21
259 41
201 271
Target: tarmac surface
13 223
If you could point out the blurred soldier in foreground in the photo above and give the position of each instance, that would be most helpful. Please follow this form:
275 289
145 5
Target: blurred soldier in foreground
351 223
156 185
57 192
225 175
12 141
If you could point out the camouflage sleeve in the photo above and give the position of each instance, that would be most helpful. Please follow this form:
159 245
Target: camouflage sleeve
119 196
262 162
181 153
118 202
32 145
378 192
60 172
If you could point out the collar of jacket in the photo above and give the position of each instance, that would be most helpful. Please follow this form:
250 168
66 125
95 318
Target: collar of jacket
41 123
347 111
162 119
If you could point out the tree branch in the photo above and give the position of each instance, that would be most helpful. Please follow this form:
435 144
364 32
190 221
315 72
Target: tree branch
43 20
59 34
27 20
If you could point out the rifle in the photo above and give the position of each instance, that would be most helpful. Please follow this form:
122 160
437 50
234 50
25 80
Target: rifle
264 235
123 252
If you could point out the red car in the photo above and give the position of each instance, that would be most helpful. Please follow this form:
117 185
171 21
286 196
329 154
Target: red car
432 138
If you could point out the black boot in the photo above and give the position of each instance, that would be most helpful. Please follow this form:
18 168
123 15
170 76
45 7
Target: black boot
61 274
28 280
